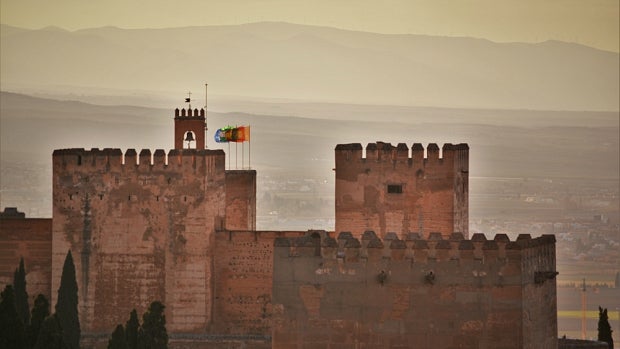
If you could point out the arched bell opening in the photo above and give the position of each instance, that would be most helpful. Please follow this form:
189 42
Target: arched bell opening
190 138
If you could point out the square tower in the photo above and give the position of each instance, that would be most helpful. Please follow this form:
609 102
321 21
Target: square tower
390 190
189 126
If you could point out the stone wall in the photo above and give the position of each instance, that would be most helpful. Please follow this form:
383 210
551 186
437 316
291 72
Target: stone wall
30 238
140 229
390 190
243 281
539 293
241 200
434 293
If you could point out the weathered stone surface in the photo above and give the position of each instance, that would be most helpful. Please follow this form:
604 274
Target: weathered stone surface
390 191
178 228
384 300
241 200
144 232
30 238
243 281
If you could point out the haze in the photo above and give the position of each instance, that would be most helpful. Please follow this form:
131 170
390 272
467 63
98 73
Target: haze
590 22
531 85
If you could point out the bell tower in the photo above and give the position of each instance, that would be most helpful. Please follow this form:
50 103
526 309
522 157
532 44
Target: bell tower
189 128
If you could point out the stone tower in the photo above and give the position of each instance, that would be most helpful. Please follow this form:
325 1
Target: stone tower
393 190
141 226
189 121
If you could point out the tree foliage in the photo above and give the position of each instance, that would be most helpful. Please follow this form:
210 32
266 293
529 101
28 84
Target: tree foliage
11 327
67 305
40 311
50 336
118 340
21 296
153 334
604 329
132 327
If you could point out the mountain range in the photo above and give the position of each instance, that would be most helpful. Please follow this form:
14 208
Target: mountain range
316 64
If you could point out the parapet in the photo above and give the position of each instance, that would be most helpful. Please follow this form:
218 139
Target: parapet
12 213
381 151
189 113
435 248
114 157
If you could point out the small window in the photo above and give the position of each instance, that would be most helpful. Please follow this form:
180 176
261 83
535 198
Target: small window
395 189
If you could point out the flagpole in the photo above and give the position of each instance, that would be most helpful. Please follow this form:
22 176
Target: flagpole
249 147
228 155
206 128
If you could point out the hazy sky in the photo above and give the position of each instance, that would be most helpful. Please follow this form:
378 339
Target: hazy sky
590 22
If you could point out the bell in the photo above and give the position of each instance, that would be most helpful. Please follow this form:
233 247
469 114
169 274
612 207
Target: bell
189 137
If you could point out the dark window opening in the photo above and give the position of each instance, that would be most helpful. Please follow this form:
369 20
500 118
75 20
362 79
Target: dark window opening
394 189
316 241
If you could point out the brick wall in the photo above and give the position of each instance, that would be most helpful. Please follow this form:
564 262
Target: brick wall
139 231
435 293
390 190
241 200
30 238
243 281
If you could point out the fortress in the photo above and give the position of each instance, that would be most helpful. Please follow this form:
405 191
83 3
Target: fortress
399 271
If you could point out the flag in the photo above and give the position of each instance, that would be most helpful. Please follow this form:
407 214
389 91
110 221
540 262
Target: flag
241 134
232 134
187 100
220 135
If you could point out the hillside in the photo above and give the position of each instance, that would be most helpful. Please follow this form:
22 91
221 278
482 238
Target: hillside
289 61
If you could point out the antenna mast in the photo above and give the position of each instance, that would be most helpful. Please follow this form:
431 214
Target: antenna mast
206 128
583 310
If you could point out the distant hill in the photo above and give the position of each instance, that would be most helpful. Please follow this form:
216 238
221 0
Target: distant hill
503 143
309 63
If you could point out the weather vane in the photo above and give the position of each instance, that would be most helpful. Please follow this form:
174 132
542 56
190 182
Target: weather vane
189 99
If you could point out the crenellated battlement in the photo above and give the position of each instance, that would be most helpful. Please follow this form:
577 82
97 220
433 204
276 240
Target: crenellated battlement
434 249
114 157
402 189
189 113
386 152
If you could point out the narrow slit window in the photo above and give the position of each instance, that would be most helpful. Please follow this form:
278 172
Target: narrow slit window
395 189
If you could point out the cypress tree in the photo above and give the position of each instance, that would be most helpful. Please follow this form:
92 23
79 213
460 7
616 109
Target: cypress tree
153 334
21 296
50 336
67 305
118 339
11 327
131 330
40 311
604 329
